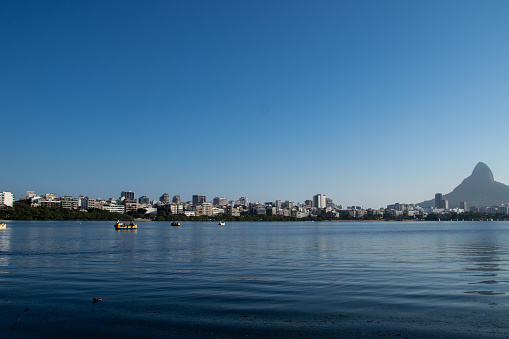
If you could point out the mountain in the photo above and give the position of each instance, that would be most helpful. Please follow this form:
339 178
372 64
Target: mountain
479 189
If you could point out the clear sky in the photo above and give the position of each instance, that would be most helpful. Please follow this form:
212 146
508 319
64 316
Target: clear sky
368 102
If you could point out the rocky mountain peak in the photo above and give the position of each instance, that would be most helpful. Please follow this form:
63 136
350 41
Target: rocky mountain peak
482 172
481 176
479 189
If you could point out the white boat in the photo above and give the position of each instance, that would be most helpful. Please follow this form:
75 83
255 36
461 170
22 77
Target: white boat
3 226
222 223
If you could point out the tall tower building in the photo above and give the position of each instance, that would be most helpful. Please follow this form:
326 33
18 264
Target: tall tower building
199 199
463 205
164 198
319 201
176 199
127 195
438 200
221 201
144 200
445 204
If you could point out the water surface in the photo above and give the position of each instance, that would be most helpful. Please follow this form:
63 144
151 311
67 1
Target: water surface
256 279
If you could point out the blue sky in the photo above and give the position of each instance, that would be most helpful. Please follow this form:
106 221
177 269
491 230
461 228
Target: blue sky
367 102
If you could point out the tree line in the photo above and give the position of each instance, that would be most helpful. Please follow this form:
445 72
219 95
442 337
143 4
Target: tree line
23 211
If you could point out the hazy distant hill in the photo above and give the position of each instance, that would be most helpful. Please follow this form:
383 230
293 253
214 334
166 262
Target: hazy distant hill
479 189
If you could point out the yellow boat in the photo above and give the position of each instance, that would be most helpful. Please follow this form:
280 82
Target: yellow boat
175 223
124 226
3 225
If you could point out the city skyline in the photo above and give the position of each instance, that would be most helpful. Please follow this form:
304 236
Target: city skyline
479 190
479 185
369 102
320 206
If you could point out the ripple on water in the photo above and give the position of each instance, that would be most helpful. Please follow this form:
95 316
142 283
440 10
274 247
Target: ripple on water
258 279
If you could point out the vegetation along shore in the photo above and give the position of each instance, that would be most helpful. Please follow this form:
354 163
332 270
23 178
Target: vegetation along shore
23 211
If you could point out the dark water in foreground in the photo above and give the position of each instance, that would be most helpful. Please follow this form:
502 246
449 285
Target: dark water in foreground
334 279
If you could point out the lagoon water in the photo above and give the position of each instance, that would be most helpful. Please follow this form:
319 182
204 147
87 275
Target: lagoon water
255 279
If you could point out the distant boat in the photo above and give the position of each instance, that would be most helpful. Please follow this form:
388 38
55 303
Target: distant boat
222 223
3 226
175 223
125 226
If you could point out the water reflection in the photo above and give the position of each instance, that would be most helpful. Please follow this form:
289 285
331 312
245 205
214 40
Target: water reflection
394 274
5 248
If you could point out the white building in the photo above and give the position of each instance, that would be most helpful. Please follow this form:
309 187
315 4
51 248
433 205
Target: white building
114 208
205 208
30 195
50 196
217 211
88 203
319 201
7 199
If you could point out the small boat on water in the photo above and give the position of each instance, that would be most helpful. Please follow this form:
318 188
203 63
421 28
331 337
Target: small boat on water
3 226
222 223
175 223
125 226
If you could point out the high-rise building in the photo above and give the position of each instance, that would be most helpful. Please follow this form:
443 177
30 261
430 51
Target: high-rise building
503 210
438 200
176 199
164 198
243 201
319 201
221 201
463 205
7 199
127 195
144 200
199 199
445 204
88 204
